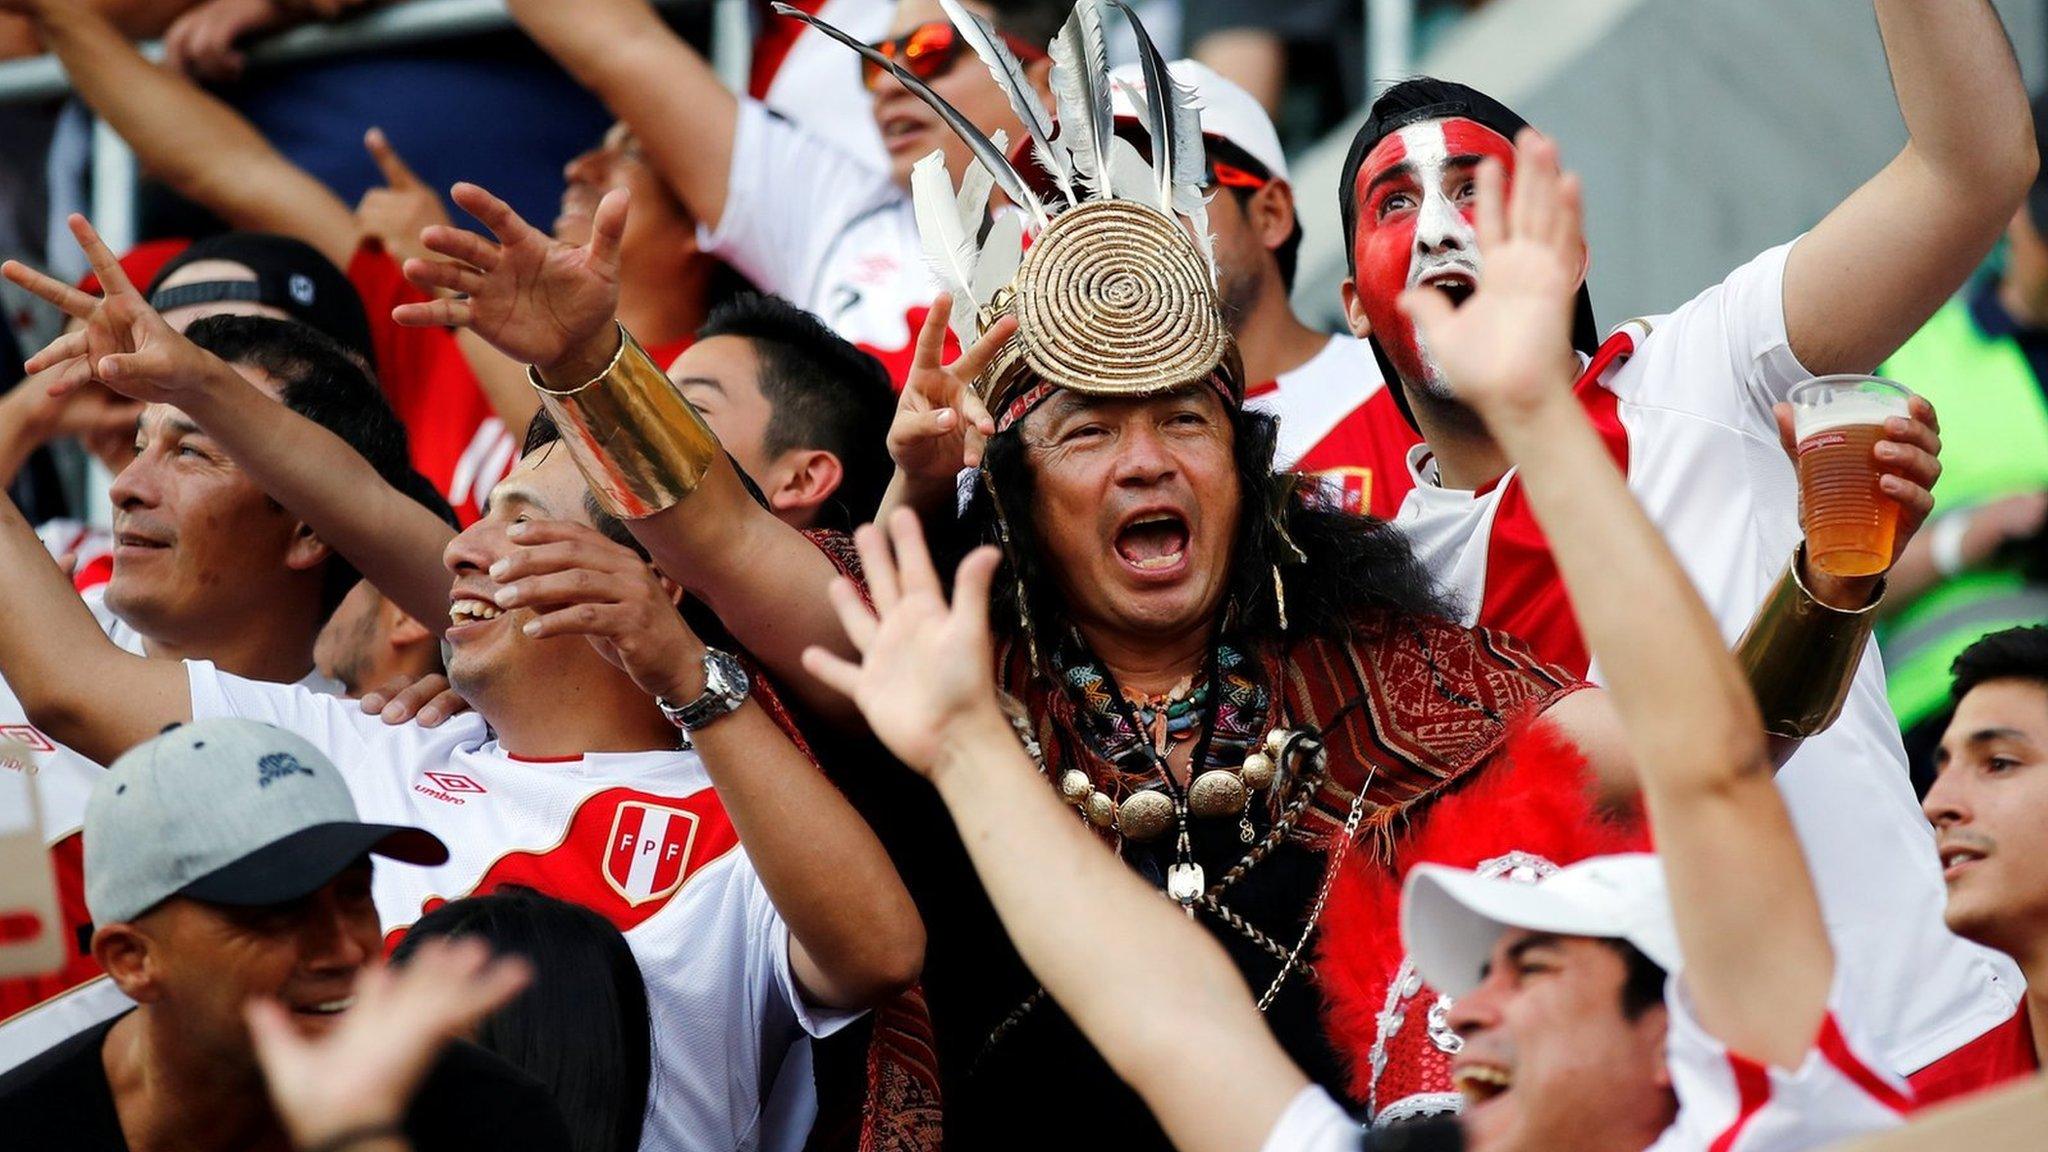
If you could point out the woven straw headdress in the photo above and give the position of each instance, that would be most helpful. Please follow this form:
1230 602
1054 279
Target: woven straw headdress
1112 294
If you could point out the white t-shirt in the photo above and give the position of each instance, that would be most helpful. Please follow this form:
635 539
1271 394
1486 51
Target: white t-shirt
1725 1102
812 78
64 781
1688 416
1337 421
639 838
826 231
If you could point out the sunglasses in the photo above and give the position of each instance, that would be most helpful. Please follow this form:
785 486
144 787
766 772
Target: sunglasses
928 50
1248 177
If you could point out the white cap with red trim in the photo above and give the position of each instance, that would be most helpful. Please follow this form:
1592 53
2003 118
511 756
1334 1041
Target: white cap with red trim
1451 918
1229 112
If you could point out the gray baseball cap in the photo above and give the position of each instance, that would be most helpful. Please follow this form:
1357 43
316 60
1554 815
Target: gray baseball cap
227 812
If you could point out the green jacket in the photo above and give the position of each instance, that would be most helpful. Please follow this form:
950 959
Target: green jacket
1994 432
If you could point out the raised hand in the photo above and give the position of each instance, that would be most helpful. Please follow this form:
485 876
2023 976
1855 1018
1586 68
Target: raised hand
1508 343
398 213
201 42
926 669
535 299
940 425
124 344
364 1070
575 582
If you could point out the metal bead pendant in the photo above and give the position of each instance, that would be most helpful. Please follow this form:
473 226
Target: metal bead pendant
1075 786
1259 771
1217 792
1184 882
1144 815
1100 809
1276 742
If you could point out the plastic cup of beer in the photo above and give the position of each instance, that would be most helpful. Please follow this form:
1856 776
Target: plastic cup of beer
1849 521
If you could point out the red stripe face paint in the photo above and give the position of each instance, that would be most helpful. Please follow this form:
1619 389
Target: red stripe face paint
1416 198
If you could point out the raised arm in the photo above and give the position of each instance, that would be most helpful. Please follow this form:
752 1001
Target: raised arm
1107 947
188 138
855 936
665 91
1872 272
554 306
394 541
1757 961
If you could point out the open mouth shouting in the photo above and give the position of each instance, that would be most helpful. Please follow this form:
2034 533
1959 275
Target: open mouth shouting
1480 1082
1153 542
1456 282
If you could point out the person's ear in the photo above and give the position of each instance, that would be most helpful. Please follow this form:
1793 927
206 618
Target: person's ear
671 589
128 956
307 550
809 478
1354 309
401 631
1272 214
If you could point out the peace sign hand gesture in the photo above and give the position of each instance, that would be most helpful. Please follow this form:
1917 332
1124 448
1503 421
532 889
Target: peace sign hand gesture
124 344
397 213
940 425
532 297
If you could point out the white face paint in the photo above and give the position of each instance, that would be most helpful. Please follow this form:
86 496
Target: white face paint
1446 248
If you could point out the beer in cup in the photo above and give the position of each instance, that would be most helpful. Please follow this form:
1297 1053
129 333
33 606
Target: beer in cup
1849 521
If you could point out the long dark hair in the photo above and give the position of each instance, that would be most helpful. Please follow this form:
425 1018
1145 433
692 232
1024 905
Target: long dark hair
581 1028
1337 567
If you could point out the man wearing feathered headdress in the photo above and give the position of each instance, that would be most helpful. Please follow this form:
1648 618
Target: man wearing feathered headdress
1238 689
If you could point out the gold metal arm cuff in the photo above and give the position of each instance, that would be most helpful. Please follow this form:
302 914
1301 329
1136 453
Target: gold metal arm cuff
1800 655
638 443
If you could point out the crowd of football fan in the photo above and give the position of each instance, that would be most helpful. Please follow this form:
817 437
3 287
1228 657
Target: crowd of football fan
871 735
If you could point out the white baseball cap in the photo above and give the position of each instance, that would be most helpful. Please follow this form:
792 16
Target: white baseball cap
1229 113
1451 918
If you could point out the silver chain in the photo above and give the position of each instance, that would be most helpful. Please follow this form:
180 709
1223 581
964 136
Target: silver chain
1315 912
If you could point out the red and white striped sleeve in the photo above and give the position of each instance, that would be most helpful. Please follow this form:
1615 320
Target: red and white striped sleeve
1730 1103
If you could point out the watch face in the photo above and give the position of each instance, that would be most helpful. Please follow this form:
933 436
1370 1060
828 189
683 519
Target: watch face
724 675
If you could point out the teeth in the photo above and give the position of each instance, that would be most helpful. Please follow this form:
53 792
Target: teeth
1482 1079
473 610
332 1006
1157 562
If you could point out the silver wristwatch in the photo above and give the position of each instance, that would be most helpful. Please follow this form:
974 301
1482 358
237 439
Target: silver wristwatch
726 685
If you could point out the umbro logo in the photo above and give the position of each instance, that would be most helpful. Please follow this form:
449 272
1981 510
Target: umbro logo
448 787
27 734
277 766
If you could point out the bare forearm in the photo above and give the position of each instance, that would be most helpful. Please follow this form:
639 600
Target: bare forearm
763 580
72 681
1959 88
856 935
664 90
1110 949
391 539
191 140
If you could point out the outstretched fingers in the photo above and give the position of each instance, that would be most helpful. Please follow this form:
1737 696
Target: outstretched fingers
607 230
113 278
931 338
445 275
72 302
877 565
976 359
444 313
507 225
914 571
66 347
397 173
971 587
460 244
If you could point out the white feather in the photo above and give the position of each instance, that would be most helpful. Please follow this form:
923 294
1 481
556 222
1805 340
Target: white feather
1000 256
975 186
1080 81
948 250
1011 77
1129 176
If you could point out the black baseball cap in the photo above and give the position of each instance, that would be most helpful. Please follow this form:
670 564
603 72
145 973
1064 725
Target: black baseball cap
291 276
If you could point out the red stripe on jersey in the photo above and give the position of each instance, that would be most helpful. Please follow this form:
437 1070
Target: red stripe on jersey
93 573
1525 595
898 361
2003 1054
1835 1048
772 46
575 869
20 993
1753 1090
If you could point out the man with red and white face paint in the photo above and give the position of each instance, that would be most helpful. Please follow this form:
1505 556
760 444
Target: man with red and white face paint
1415 196
1690 406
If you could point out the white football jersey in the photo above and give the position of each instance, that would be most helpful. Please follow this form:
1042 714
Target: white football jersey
828 232
1683 403
639 838
1338 422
